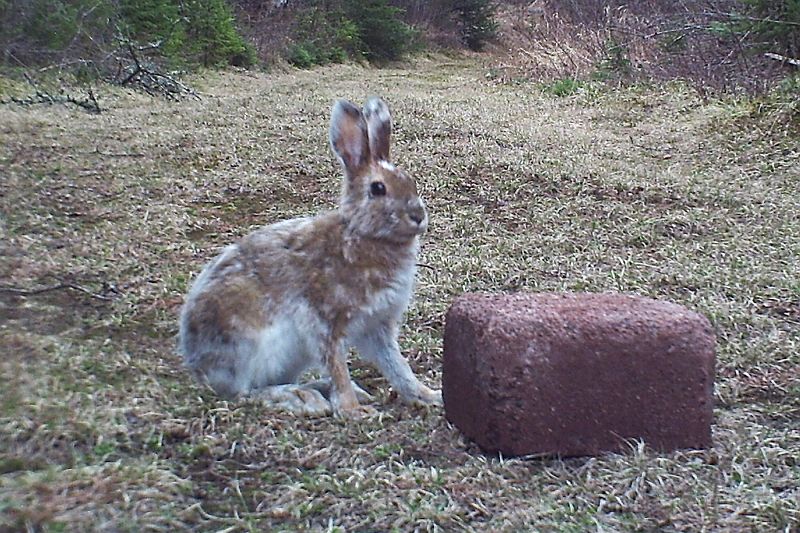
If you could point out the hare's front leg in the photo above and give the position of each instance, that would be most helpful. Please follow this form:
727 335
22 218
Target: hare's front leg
343 395
379 347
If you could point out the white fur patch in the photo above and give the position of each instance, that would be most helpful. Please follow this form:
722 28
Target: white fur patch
388 166
283 351
390 302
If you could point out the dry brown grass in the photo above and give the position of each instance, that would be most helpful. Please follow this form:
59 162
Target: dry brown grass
650 192
634 42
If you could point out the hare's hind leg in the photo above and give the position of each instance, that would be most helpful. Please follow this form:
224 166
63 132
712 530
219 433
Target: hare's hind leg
252 381
294 398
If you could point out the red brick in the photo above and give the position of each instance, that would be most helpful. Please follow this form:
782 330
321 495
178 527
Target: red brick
577 374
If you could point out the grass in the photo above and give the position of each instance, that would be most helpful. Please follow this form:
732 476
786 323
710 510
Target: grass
562 87
648 191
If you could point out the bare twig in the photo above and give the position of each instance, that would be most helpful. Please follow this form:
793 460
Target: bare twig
117 154
33 292
683 30
739 16
64 64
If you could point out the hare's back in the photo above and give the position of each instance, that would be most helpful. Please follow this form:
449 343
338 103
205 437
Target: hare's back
240 290
257 260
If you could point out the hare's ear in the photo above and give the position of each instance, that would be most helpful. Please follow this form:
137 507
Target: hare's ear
379 128
348 136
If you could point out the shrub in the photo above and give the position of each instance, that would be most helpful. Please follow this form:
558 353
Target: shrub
384 35
211 35
324 36
51 25
149 19
562 87
478 24
42 30
777 21
189 31
615 61
326 32
302 55
306 54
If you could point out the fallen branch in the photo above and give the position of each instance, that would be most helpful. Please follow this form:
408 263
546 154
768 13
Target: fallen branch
64 64
783 59
90 104
42 96
133 71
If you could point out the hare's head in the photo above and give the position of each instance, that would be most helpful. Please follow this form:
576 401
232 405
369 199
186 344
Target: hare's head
379 201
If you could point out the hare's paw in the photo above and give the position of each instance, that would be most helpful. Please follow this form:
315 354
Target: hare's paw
347 406
356 412
361 394
426 396
324 386
312 403
296 399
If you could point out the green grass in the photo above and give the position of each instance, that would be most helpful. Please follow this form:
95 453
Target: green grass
562 87
648 191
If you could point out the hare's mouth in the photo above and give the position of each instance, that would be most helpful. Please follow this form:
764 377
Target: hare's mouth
422 227
406 231
416 227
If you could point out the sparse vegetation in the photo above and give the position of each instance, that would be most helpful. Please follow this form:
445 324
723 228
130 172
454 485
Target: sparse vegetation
80 36
647 190
718 46
317 32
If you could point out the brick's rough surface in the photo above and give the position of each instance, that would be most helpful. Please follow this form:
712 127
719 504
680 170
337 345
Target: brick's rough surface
577 374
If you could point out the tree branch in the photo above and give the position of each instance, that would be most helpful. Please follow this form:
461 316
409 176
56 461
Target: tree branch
41 96
783 59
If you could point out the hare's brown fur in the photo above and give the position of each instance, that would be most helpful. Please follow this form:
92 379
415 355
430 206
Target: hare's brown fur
295 295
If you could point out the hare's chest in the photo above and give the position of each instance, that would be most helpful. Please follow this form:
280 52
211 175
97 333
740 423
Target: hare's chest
387 302
393 299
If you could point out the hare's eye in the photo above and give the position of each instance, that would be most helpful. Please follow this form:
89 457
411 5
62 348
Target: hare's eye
377 188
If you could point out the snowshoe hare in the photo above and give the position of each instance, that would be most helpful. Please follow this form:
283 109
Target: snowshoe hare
296 295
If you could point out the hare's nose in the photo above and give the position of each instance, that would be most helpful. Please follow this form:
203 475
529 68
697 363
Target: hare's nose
416 211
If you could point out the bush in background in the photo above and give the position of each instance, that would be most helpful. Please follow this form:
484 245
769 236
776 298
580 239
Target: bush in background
211 35
184 31
386 37
477 21
777 22
323 35
42 31
331 32
714 45
310 32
